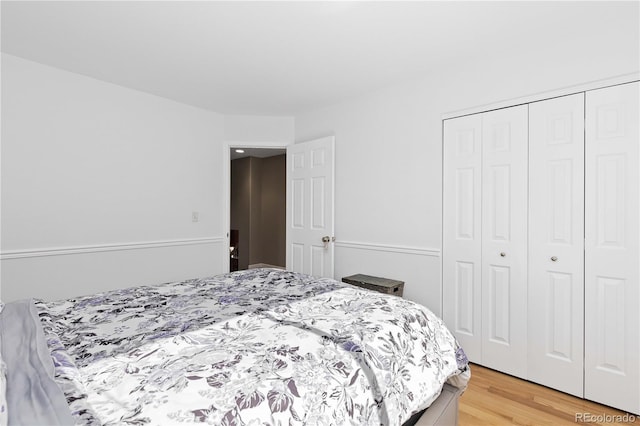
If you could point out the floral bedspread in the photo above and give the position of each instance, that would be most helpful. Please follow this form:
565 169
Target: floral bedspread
256 347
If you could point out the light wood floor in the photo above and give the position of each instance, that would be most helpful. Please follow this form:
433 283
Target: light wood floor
494 398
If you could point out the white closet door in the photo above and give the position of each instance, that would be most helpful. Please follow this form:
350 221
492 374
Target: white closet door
612 256
556 243
504 239
462 232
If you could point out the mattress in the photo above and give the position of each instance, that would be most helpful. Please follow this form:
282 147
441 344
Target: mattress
255 347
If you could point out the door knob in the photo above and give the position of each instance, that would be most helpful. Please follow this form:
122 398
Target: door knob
503 254
554 258
326 239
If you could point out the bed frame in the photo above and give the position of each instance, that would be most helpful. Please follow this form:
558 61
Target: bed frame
443 411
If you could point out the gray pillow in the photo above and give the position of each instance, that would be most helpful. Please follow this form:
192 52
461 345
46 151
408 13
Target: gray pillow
33 397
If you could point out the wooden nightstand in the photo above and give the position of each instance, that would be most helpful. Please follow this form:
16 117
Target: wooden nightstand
382 285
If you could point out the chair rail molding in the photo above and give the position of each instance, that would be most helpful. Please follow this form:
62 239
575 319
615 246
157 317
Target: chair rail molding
419 251
61 251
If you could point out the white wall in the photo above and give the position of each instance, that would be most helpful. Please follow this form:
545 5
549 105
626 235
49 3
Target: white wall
99 181
98 185
389 149
253 128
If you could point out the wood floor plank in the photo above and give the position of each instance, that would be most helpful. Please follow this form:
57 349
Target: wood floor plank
497 399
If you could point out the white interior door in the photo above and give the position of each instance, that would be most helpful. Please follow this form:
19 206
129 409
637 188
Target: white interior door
461 239
556 243
612 255
310 207
504 239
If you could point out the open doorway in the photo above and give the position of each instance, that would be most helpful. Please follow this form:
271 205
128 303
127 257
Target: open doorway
257 213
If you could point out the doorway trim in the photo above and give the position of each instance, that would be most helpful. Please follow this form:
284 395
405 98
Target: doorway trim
226 185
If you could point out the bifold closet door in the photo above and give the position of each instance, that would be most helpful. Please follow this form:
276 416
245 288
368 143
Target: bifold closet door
612 255
556 243
461 239
504 239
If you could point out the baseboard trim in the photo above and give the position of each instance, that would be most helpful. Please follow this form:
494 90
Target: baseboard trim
389 248
63 251
264 265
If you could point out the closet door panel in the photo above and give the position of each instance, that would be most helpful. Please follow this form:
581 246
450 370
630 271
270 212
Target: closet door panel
556 243
504 239
462 232
612 255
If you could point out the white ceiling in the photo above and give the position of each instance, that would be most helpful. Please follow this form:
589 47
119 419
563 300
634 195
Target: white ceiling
281 58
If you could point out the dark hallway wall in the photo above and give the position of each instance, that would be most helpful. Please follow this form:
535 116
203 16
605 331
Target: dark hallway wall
258 203
241 206
273 212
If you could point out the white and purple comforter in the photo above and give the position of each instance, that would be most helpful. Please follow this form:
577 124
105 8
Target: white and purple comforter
256 347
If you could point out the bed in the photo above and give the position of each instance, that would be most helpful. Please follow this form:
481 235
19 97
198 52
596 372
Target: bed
256 347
